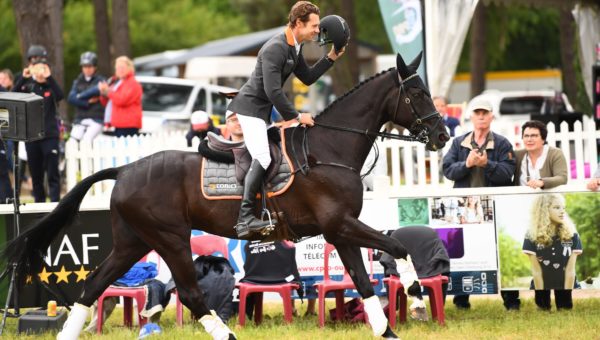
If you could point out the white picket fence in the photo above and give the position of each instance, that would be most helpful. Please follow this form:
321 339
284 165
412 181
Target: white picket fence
83 159
401 164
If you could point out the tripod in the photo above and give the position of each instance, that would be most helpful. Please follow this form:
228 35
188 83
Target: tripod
12 288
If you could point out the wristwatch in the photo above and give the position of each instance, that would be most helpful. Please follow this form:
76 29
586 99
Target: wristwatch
299 116
329 59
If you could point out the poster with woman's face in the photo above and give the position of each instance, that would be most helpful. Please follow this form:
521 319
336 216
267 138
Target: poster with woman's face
547 241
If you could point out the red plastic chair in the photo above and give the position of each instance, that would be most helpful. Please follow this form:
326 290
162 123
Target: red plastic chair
283 289
338 287
128 294
436 297
202 245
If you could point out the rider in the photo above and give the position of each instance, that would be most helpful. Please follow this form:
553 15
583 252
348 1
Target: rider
277 59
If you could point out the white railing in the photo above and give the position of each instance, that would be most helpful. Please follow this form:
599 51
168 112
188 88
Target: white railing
407 164
401 164
83 159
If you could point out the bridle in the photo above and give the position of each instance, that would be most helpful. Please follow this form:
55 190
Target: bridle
418 132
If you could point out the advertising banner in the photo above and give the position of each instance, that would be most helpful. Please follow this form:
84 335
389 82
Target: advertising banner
549 241
404 26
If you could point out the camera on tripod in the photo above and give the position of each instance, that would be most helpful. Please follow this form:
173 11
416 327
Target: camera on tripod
21 116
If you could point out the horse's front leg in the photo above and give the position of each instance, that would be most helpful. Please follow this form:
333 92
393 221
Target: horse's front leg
352 260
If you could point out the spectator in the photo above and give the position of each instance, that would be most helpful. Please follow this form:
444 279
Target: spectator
6 80
552 238
538 166
42 155
441 105
429 257
123 99
594 183
479 158
201 125
35 53
84 95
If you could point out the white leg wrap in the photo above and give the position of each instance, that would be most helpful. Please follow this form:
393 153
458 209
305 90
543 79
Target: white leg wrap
377 318
417 303
74 323
407 272
215 327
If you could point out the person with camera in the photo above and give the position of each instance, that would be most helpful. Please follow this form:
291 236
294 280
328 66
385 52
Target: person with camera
479 158
42 155
89 112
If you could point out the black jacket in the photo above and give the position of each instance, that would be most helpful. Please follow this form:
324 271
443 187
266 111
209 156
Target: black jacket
276 61
51 93
83 108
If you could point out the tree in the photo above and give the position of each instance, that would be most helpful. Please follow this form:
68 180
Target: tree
101 28
478 50
568 56
120 28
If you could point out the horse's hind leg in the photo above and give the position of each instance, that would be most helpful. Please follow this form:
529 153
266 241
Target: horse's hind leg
127 250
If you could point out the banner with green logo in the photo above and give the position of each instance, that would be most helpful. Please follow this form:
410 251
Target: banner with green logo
404 25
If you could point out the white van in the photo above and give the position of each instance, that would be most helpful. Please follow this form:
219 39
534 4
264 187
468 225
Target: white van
167 103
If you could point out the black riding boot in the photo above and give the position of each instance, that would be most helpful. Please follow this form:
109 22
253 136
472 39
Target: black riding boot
247 222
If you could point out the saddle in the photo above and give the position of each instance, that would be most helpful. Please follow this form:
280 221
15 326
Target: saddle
221 174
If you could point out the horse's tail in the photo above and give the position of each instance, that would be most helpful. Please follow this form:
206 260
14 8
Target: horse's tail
27 250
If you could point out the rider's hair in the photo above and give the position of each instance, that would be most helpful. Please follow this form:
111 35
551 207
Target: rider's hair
302 10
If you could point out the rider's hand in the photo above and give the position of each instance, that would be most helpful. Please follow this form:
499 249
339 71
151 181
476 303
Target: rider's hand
333 56
306 119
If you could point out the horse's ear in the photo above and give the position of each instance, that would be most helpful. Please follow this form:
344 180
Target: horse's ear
401 66
414 65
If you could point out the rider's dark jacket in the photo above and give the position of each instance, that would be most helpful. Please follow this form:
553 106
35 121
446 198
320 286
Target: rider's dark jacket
276 61
500 167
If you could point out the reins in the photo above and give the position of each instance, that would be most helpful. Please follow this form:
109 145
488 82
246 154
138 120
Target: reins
418 133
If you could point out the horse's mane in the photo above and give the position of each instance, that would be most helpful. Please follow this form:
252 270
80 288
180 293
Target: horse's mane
354 89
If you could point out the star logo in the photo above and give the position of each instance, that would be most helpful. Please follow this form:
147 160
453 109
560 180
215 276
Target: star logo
44 275
81 274
62 275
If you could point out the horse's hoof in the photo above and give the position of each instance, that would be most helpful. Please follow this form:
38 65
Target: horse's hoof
419 314
389 334
232 336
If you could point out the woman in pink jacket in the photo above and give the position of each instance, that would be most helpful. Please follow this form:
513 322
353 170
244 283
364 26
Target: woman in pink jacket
123 99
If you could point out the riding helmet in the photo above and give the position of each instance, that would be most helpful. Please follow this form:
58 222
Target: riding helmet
334 29
36 51
88 58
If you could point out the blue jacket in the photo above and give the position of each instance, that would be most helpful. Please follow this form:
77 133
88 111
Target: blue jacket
499 170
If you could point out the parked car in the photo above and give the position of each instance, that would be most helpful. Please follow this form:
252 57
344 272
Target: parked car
168 103
517 107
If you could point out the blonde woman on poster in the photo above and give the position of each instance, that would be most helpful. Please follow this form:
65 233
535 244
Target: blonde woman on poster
552 245
473 211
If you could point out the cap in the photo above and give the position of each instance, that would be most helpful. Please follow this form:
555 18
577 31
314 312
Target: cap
149 329
199 120
229 114
481 104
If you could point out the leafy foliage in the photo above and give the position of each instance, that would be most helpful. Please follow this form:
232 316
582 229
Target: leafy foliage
513 263
583 210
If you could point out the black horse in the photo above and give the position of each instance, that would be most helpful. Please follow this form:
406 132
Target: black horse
156 201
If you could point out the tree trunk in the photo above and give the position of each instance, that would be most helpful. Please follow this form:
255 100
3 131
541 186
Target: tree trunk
42 26
102 37
120 28
567 54
346 71
477 50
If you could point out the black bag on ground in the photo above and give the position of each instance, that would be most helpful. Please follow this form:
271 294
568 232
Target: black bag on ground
215 278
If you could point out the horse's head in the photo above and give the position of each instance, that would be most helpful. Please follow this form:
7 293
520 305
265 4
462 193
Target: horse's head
414 107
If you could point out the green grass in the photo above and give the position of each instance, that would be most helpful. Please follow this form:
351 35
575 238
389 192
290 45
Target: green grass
487 319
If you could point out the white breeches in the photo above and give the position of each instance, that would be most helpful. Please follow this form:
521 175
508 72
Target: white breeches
255 137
